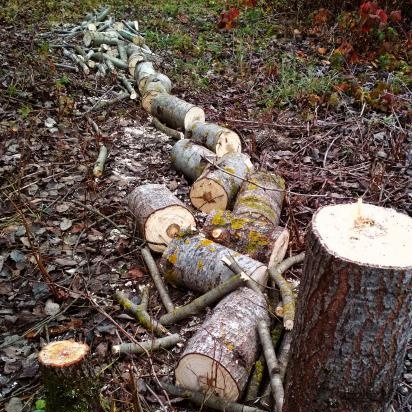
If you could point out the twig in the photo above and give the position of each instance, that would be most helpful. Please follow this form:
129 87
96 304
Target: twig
197 305
154 272
284 351
174 134
101 160
140 313
126 83
273 365
147 346
135 393
285 289
209 400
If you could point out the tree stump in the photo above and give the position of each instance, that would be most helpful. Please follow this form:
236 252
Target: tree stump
248 236
220 356
190 158
354 313
218 186
69 381
216 138
196 263
159 214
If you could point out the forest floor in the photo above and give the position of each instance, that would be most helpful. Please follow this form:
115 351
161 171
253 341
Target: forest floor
268 78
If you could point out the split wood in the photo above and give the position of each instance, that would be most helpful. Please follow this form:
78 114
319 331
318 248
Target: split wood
208 400
272 364
147 346
288 301
154 272
140 313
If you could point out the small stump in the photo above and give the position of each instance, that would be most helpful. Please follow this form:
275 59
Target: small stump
69 381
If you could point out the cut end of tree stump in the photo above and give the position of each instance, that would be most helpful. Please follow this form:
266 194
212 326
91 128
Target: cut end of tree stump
199 372
63 353
366 234
208 195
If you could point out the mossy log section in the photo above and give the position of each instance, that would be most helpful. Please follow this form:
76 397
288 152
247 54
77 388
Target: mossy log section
155 82
217 187
190 158
216 138
208 400
196 263
96 38
148 346
354 312
199 304
175 112
159 214
68 379
249 236
220 356
255 202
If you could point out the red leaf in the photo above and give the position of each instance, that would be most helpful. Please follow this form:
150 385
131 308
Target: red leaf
368 8
396 16
383 17
233 13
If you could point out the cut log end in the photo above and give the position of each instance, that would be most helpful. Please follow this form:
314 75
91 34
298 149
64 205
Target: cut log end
193 115
201 373
207 195
228 142
366 234
63 353
163 225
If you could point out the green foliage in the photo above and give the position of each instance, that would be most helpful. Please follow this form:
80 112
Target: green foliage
24 112
40 406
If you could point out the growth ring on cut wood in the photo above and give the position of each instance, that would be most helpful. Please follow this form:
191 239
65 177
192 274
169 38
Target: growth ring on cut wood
159 214
63 353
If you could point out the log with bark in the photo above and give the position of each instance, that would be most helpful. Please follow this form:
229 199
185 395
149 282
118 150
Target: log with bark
175 112
219 184
159 214
68 378
190 159
220 356
261 197
354 312
148 346
216 138
96 38
249 236
196 263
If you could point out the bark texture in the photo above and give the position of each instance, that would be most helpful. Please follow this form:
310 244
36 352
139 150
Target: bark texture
221 355
159 214
196 263
175 112
255 202
190 158
351 330
251 237
218 186
216 138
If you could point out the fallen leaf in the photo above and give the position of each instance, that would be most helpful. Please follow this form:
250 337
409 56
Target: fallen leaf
65 224
135 273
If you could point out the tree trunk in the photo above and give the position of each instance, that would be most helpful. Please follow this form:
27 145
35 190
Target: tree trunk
196 263
142 72
216 138
354 311
159 214
217 187
220 356
69 381
251 237
190 158
255 202
175 112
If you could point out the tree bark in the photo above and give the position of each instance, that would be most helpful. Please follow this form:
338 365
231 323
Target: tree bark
196 263
218 186
190 158
353 317
69 381
175 112
96 38
216 138
254 201
220 356
248 236
159 214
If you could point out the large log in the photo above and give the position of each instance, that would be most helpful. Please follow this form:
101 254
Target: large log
196 263
248 236
175 112
354 313
215 137
159 214
218 185
261 196
190 158
220 356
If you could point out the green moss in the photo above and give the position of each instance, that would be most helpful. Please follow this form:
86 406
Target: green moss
206 242
200 264
255 204
172 258
237 223
276 334
229 169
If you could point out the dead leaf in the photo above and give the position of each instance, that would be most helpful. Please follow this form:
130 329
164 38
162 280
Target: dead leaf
65 224
135 273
